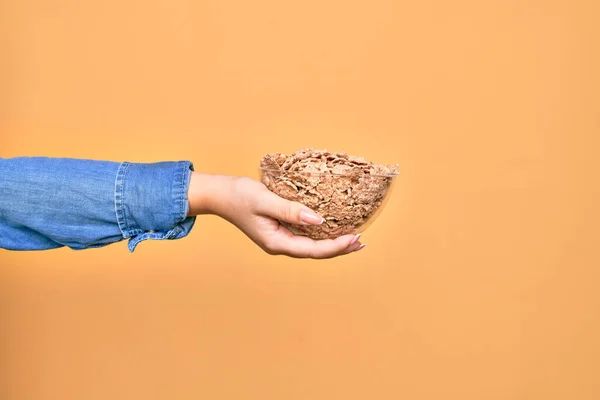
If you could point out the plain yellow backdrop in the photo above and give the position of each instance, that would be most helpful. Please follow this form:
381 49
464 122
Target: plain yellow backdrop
480 280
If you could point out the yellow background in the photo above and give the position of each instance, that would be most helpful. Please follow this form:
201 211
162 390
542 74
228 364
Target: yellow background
481 278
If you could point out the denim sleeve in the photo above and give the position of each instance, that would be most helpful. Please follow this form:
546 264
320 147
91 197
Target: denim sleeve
47 203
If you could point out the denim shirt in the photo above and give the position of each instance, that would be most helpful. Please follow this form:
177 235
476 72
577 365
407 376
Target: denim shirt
47 203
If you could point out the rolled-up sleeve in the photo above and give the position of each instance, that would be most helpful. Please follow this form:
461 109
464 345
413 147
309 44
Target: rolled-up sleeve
151 201
53 202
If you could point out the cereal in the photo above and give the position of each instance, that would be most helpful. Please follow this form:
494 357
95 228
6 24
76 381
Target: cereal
346 190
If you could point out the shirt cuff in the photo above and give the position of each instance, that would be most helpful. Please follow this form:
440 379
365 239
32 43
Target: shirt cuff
151 201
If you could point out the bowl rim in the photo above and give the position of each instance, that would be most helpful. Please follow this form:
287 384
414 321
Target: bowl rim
323 173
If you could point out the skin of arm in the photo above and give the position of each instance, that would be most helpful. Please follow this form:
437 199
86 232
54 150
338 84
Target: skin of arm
256 211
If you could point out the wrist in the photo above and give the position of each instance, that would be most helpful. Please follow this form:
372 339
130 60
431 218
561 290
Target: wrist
209 194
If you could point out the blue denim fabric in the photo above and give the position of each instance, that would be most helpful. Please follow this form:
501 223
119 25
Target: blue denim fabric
47 203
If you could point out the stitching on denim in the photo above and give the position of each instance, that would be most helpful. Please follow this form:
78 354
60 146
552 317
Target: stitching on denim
125 219
178 192
120 199
135 240
116 200
185 176
177 232
185 183
181 193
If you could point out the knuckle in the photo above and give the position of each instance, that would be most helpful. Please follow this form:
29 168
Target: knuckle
285 213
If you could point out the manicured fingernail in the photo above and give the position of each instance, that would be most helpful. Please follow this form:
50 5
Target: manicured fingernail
361 247
311 218
355 239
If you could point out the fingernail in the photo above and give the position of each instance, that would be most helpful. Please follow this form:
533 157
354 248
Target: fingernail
355 239
361 247
309 217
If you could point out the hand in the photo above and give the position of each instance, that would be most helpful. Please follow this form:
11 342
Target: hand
256 211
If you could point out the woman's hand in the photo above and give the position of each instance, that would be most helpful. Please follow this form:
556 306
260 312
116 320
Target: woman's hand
256 211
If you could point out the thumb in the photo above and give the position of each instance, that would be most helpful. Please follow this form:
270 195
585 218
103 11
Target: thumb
284 210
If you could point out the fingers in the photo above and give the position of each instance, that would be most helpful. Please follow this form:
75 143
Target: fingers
302 247
287 243
288 211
